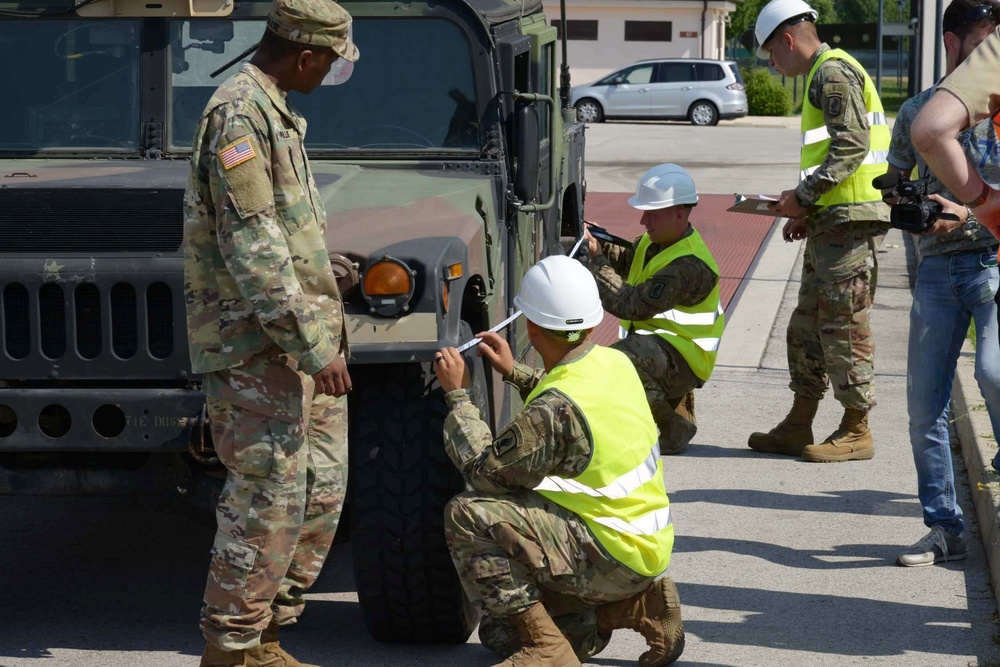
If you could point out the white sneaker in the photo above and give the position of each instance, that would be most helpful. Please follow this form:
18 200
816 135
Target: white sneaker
936 546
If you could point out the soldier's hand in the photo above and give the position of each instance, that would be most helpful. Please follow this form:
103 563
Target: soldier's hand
496 350
794 229
450 369
334 380
788 205
593 246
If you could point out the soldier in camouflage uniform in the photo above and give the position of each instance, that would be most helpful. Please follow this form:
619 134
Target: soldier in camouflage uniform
568 517
266 328
956 281
845 140
669 365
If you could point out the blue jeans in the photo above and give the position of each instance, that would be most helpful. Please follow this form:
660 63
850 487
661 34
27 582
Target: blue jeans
950 290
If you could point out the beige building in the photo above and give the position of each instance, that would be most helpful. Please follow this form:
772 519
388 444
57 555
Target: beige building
605 35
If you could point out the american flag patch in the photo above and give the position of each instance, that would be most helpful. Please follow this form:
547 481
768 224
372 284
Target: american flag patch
237 153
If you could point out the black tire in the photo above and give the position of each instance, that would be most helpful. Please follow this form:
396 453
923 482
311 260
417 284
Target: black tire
589 110
401 479
703 112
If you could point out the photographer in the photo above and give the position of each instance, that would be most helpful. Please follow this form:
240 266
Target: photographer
956 281
964 99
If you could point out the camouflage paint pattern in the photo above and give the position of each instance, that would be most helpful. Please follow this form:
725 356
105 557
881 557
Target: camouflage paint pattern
283 496
838 90
316 22
548 437
829 335
514 549
264 313
665 375
255 260
511 546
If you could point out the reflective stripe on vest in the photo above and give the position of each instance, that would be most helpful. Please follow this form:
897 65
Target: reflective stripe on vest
857 187
620 494
694 331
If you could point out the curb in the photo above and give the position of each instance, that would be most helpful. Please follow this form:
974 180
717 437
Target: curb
973 426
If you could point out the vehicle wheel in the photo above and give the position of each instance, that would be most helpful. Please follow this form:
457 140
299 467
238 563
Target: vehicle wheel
589 111
703 112
401 479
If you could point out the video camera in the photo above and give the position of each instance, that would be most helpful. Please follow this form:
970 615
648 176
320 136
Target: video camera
915 212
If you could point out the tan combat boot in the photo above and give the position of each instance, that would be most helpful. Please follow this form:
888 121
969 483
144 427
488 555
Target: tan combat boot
542 645
656 615
270 653
792 435
216 657
852 441
677 426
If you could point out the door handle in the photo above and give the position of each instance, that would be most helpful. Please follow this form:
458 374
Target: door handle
688 88
644 90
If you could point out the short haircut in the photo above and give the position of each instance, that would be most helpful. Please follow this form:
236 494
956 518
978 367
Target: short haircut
571 338
963 16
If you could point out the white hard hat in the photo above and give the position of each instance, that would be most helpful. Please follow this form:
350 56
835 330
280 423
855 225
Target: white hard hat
662 186
558 293
773 15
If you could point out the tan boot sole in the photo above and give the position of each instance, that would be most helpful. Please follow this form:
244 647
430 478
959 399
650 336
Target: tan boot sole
862 455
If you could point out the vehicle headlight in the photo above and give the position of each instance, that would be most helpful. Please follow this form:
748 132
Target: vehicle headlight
387 286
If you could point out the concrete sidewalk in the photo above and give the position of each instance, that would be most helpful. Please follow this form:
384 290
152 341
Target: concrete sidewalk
784 562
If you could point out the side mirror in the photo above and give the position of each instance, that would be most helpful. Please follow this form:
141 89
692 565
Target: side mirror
526 133
618 80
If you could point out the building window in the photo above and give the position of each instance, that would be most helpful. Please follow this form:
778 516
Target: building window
648 31
575 29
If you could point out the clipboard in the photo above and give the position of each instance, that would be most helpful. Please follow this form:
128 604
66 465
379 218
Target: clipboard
758 205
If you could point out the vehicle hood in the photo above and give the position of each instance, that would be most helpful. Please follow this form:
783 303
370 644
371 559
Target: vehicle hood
370 209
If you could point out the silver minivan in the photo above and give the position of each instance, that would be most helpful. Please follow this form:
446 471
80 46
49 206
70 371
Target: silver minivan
699 90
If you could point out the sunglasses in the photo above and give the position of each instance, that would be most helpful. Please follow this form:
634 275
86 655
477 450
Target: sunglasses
974 15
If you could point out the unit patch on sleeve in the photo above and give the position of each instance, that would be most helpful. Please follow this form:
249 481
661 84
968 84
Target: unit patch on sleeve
508 440
236 153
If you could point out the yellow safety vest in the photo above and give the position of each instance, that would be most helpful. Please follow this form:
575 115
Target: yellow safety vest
857 187
620 494
695 331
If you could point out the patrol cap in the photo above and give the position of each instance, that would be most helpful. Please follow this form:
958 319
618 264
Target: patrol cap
316 22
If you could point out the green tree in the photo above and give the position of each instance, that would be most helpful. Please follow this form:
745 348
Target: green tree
866 11
745 16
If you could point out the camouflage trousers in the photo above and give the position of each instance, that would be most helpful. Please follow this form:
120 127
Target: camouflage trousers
516 549
286 455
669 384
829 337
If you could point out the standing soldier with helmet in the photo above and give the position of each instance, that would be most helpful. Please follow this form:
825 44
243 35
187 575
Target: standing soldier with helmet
665 289
567 532
845 142
266 328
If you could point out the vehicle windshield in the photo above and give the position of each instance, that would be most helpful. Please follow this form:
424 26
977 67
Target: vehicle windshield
71 85
412 89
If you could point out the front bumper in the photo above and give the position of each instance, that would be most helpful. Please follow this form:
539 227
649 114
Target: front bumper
99 420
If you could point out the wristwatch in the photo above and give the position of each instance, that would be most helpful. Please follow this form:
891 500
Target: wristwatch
981 199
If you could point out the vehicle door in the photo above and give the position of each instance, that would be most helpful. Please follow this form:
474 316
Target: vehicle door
628 92
673 89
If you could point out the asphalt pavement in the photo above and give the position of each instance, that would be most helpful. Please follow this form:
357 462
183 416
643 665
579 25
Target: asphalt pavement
778 562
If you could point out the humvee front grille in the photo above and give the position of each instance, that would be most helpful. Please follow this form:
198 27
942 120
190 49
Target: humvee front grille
54 220
82 321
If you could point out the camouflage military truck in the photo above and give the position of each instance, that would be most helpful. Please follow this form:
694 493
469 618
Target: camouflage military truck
447 162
